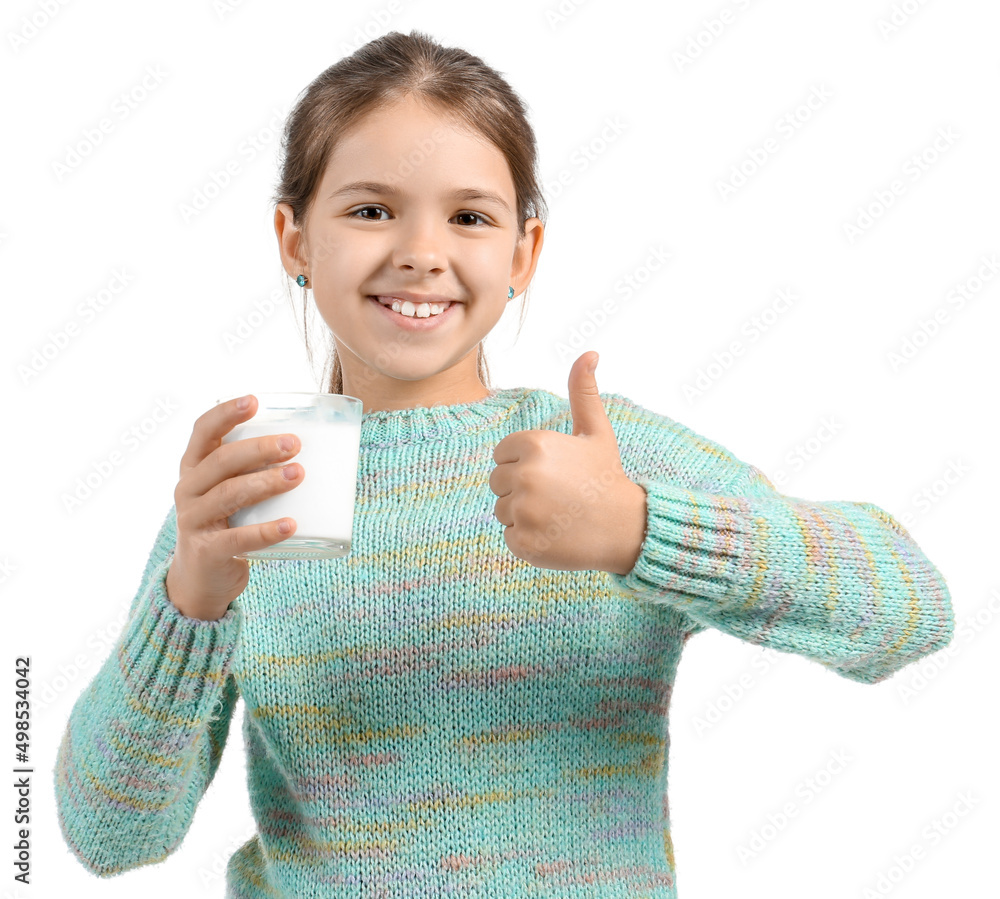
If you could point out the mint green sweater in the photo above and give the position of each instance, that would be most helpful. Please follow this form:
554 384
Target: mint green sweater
432 715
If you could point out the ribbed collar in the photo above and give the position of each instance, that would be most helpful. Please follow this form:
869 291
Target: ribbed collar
424 424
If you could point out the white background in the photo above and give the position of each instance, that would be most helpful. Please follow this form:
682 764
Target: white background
821 372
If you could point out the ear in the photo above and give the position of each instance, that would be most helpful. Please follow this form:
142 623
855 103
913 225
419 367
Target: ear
526 254
290 241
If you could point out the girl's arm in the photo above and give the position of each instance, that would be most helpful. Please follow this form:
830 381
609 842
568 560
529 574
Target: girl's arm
144 739
842 583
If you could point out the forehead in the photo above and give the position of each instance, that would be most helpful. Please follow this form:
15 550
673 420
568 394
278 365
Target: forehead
413 148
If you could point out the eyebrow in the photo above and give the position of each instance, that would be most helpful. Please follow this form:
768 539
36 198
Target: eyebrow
374 187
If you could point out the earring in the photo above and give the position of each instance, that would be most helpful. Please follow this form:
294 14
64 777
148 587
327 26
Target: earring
510 293
301 280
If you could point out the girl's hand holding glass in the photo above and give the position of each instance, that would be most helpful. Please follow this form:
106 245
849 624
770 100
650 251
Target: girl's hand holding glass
217 479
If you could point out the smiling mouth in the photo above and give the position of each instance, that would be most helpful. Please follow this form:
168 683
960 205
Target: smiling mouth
410 310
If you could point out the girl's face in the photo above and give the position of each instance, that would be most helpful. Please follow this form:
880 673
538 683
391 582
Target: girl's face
415 233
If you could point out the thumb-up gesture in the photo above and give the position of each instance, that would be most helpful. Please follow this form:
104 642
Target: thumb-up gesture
565 500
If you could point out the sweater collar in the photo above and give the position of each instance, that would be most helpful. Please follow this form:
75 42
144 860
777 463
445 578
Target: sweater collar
425 424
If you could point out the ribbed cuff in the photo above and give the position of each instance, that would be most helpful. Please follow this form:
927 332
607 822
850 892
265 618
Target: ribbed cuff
697 544
174 667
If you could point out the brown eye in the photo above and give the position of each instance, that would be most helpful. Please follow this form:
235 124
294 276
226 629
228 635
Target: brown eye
363 208
473 214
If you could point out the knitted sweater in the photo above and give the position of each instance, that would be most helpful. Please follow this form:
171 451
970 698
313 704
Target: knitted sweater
432 715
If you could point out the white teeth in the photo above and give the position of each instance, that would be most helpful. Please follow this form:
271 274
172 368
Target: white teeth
424 310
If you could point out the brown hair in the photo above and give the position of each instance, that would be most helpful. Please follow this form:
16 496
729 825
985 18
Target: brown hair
375 76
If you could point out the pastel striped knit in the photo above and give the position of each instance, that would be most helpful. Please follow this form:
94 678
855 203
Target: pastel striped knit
433 716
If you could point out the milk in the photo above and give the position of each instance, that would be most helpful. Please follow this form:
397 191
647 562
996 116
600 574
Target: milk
322 502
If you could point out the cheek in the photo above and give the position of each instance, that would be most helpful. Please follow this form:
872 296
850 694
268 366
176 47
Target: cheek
490 258
339 254
486 273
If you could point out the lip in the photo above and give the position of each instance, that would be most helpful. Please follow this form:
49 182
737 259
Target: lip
415 324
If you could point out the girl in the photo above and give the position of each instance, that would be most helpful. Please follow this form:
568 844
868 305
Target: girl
476 698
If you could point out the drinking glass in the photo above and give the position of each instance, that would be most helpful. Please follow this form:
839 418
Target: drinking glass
328 426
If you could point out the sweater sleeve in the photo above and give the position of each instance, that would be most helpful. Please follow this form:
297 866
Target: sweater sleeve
842 583
145 737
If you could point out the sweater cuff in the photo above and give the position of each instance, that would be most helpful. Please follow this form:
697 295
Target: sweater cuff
696 546
174 667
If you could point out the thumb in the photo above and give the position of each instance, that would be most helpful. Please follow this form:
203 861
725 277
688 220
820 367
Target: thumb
585 407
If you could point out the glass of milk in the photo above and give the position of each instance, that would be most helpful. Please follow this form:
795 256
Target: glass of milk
328 426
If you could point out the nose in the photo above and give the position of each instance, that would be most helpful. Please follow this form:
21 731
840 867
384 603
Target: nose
420 248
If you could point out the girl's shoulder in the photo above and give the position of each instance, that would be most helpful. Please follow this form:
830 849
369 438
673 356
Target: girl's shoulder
656 445
650 444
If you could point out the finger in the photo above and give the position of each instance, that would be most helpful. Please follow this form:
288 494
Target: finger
211 542
501 511
509 449
213 509
585 407
501 480
210 427
253 537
